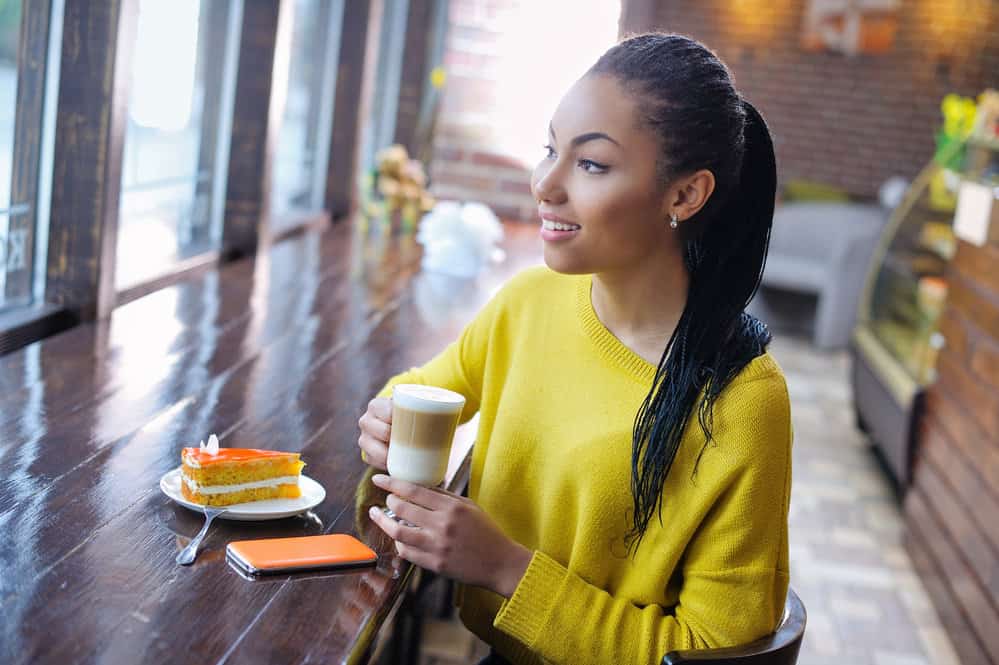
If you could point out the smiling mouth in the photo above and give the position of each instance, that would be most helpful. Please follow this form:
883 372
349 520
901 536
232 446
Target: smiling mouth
549 225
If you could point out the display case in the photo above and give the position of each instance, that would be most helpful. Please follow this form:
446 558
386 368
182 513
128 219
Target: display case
897 337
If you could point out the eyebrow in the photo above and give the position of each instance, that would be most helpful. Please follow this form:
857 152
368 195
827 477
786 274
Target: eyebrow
583 138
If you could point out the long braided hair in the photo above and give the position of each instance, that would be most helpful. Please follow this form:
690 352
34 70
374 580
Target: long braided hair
687 96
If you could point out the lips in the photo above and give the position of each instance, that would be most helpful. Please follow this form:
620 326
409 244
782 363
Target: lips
556 229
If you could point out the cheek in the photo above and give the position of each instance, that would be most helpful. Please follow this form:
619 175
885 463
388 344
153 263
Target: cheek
619 205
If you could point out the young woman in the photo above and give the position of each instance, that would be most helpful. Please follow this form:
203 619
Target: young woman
631 476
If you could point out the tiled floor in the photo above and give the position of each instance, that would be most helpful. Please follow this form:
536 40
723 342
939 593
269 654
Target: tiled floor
865 604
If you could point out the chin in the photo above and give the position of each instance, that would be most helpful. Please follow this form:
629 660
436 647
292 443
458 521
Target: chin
564 262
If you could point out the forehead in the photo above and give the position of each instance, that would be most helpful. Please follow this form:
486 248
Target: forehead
597 103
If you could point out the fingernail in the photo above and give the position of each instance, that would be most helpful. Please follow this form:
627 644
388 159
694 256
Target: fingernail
373 511
379 479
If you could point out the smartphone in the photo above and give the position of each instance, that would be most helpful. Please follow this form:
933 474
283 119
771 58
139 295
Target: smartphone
284 555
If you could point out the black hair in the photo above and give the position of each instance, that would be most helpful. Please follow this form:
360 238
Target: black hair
688 97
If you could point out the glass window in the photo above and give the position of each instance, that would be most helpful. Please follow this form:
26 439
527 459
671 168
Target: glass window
299 173
28 87
379 129
177 136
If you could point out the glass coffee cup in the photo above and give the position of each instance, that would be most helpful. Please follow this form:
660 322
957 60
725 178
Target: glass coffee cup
424 419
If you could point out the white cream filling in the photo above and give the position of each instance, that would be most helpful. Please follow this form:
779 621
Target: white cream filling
225 489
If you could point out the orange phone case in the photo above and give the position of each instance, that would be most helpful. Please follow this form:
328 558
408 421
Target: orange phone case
278 555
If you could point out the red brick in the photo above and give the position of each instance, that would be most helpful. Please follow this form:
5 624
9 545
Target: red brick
981 401
517 187
506 211
954 328
979 265
985 362
444 154
494 159
478 183
979 307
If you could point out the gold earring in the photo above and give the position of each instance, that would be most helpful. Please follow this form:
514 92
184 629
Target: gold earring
673 223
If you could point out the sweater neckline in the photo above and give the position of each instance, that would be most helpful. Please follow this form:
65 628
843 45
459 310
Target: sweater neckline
609 346
636 366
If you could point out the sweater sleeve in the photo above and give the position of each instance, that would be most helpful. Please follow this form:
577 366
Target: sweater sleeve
734 568
461 366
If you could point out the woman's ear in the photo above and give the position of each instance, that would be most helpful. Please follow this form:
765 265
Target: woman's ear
688 194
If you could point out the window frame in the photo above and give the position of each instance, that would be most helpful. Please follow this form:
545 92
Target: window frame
92 55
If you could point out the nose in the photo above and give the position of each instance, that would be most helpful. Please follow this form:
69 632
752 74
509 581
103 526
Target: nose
546 184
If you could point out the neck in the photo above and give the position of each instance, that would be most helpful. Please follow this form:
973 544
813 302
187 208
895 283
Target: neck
642 305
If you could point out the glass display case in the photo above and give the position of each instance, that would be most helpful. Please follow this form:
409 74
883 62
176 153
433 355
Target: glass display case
897 337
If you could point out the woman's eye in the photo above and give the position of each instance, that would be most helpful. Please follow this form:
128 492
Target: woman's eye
587 165
590 166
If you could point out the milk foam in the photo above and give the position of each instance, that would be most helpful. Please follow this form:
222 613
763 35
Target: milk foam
428 399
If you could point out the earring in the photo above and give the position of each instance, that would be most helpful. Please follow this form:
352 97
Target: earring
672 221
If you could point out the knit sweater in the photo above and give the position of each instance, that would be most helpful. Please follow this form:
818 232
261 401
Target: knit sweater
558 394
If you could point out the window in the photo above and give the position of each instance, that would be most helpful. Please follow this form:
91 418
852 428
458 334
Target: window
302 154
177 136
28 87
379 131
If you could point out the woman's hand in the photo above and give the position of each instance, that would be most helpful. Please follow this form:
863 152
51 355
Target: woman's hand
450 535
376 424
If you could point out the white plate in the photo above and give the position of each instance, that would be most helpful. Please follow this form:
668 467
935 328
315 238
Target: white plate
312 495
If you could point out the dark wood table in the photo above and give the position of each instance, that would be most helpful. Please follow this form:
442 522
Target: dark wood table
284 352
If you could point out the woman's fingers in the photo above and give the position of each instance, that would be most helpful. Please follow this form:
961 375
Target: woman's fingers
376 427
410 512
376 430
381 408
398 531
419 557
373 451
430 499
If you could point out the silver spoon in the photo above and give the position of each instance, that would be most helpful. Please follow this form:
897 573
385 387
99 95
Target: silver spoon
189 553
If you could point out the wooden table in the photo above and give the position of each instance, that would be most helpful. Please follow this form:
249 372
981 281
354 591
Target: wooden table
284 352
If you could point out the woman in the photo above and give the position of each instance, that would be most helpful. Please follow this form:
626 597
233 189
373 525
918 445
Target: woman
631 477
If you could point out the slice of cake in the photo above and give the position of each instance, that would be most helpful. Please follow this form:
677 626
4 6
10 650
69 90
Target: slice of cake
215 476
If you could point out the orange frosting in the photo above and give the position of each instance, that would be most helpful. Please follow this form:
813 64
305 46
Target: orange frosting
204 458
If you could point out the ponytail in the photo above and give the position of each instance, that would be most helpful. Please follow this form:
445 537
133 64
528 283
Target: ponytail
686 96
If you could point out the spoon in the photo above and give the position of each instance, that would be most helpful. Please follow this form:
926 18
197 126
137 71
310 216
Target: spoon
189 553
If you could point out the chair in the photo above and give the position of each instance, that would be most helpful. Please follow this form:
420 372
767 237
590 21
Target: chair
823 249
780 648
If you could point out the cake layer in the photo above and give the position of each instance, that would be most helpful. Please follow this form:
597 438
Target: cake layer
241 469
242 496
197 457
224 489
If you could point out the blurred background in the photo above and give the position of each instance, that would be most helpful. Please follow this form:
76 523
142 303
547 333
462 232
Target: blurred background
143 141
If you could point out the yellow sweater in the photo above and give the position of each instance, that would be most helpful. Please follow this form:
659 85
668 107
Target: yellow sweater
558 394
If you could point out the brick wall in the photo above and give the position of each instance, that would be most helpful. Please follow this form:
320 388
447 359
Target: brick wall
486 144
846 121
952 508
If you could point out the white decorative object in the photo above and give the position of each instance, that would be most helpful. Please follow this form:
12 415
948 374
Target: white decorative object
976 209
892 191
213 445
459 239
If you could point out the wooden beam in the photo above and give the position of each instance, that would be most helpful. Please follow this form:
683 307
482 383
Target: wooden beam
415 71
342 171
252 146
94 82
